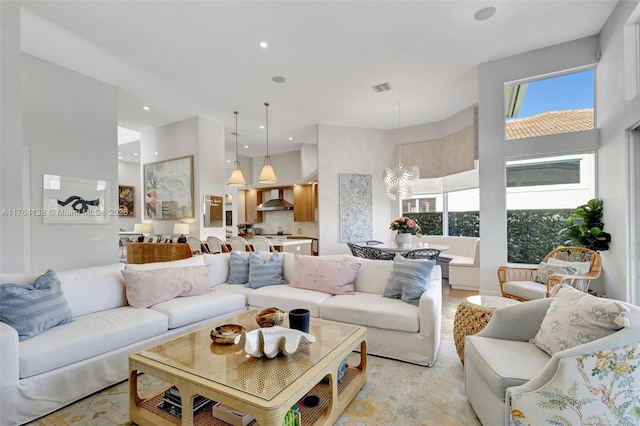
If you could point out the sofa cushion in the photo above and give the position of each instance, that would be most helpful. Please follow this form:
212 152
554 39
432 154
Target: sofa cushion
89 336
93 289
372 275
575 318
409 278
504 363
325 275
287 298
529 290
34 308
219 271
234 288
372 310
146 288
188 310
264 273
238 269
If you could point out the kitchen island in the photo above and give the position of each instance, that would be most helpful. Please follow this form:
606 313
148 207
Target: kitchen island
283 244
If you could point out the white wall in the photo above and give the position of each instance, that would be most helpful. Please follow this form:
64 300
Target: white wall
287 167
356 151
618 109
494 150
202 138
129 174
69 124
13 228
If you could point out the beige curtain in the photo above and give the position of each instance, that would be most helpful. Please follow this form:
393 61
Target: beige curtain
442 157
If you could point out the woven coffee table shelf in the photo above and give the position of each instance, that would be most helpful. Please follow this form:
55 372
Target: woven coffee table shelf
473 315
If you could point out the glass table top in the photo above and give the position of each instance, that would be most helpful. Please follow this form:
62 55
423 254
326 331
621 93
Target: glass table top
231 366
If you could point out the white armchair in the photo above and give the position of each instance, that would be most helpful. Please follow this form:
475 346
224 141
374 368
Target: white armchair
510 381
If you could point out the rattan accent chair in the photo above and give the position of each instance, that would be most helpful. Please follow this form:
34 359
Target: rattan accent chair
370 252
423 253
196 245
516 281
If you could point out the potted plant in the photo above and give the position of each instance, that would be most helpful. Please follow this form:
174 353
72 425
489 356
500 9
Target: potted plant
584 228
405 227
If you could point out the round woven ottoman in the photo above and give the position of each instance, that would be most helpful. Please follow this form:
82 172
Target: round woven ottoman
472 315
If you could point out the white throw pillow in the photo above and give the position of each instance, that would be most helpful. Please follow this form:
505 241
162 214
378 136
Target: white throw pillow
575 318
546 269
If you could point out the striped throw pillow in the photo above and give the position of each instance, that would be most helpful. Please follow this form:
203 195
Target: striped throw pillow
34 308
408 279
263 273
238 269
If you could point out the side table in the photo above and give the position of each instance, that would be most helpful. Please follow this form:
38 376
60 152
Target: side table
472 315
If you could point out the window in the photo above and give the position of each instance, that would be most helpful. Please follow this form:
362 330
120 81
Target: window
540 193
560 104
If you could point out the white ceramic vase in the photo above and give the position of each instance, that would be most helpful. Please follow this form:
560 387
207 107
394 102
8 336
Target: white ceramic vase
403 239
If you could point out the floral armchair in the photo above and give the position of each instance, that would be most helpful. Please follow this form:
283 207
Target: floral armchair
511 381
535 282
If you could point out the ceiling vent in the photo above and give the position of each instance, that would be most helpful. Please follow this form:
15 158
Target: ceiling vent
382 87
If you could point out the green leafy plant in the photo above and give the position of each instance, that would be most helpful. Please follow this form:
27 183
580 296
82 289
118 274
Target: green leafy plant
584 228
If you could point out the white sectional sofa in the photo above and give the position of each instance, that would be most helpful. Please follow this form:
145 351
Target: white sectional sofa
70 361
461 262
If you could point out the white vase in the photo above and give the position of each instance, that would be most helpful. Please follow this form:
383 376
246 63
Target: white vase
403 239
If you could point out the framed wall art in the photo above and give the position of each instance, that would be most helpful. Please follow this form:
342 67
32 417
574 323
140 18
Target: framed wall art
356 208
126 201
168 189
75 200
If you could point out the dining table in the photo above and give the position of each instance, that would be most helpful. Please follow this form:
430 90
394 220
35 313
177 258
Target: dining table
395 248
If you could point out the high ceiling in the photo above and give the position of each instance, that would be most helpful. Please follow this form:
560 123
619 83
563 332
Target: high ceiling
189 58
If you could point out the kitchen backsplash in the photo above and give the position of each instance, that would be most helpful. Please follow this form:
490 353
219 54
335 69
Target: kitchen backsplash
284 219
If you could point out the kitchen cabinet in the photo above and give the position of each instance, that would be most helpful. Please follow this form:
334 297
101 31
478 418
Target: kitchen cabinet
252 198
305 202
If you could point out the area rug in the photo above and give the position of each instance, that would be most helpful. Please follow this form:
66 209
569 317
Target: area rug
396 393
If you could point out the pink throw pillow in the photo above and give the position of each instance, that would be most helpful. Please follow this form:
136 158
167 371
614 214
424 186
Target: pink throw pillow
147 288
325 275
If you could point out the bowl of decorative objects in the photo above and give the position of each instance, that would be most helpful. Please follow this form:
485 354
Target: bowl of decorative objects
226 334
269 317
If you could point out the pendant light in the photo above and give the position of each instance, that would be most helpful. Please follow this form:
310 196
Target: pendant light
236 178
267 175
398 179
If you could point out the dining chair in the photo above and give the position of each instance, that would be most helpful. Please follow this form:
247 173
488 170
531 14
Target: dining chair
370 252
196 245
262 244
216 245
423 253
239 244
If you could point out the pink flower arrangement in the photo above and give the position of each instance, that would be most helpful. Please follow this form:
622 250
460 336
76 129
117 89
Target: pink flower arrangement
405 225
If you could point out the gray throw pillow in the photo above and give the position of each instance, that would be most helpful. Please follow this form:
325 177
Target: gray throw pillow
408 279
238 269
34 308
263 273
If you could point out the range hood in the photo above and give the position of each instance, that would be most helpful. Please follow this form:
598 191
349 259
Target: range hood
274 204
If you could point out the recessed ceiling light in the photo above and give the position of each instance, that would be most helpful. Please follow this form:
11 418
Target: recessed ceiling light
146 108
228 161
262 126
135 153
246 147
156 153
119 158
263 44
485 13
290 138
278 79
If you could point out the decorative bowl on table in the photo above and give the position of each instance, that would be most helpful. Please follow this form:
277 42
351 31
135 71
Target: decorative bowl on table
272 341
226 334
270 317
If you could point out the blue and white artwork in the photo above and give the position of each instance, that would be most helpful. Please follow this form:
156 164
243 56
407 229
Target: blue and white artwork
356 208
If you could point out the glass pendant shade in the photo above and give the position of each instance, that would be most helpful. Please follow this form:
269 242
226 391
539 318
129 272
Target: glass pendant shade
236 178
267 175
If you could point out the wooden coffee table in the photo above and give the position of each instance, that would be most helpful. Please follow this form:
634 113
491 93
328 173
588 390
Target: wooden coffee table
265 388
